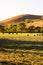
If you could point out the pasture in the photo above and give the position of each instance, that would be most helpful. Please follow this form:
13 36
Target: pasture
23 36
21 49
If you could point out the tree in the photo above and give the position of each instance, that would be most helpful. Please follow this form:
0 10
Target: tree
2 28
14 28
41 29
27 20
31 29
21 27
11 28
7 28
38 29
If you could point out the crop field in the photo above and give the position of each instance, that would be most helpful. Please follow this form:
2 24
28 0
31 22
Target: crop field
21 49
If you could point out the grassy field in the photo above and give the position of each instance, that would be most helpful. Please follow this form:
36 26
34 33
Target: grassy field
23 36
21 49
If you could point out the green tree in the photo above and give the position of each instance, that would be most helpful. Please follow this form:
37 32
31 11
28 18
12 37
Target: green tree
10 28
2 28
31 29
21 27
41 29
27 20
38 29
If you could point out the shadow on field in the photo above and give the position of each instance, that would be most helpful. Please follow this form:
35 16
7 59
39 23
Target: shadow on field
14 44
9 63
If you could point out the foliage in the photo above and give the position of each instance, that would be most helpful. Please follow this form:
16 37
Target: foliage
20 27
27 20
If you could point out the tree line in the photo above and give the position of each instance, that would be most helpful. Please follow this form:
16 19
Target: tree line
20 27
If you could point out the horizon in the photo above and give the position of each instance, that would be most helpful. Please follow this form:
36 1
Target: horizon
10 8
19 15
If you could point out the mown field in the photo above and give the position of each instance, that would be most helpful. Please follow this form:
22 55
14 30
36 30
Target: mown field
21 49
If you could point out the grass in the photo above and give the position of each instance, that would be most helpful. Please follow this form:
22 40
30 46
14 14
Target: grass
14 44
23 36
21 49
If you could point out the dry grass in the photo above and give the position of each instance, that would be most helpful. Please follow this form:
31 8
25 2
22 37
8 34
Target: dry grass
23 36
22 57
13 49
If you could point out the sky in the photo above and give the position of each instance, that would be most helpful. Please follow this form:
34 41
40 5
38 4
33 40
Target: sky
10 8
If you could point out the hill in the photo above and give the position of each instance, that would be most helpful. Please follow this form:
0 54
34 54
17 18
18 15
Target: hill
23 23
37 20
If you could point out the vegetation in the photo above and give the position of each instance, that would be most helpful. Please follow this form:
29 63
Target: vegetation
21 27
22 36
21 49
13 52
23 46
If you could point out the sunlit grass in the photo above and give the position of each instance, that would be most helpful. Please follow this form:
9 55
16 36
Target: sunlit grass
23 36
14 49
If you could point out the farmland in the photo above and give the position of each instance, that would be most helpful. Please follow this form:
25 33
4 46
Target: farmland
21 49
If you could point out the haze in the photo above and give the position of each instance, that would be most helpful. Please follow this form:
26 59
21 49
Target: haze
9 8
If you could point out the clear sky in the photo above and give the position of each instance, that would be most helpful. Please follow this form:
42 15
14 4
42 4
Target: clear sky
9 8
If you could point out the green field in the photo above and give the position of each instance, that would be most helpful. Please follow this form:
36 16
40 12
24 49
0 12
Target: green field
21 49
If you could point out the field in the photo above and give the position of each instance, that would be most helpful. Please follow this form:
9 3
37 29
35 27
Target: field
21 49
23 36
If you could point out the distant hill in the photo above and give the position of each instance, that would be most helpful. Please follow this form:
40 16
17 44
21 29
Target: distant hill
37 20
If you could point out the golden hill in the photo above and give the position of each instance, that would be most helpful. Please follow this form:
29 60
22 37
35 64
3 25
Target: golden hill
37 20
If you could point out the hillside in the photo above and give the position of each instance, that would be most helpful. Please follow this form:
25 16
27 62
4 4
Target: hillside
22 23
37 20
